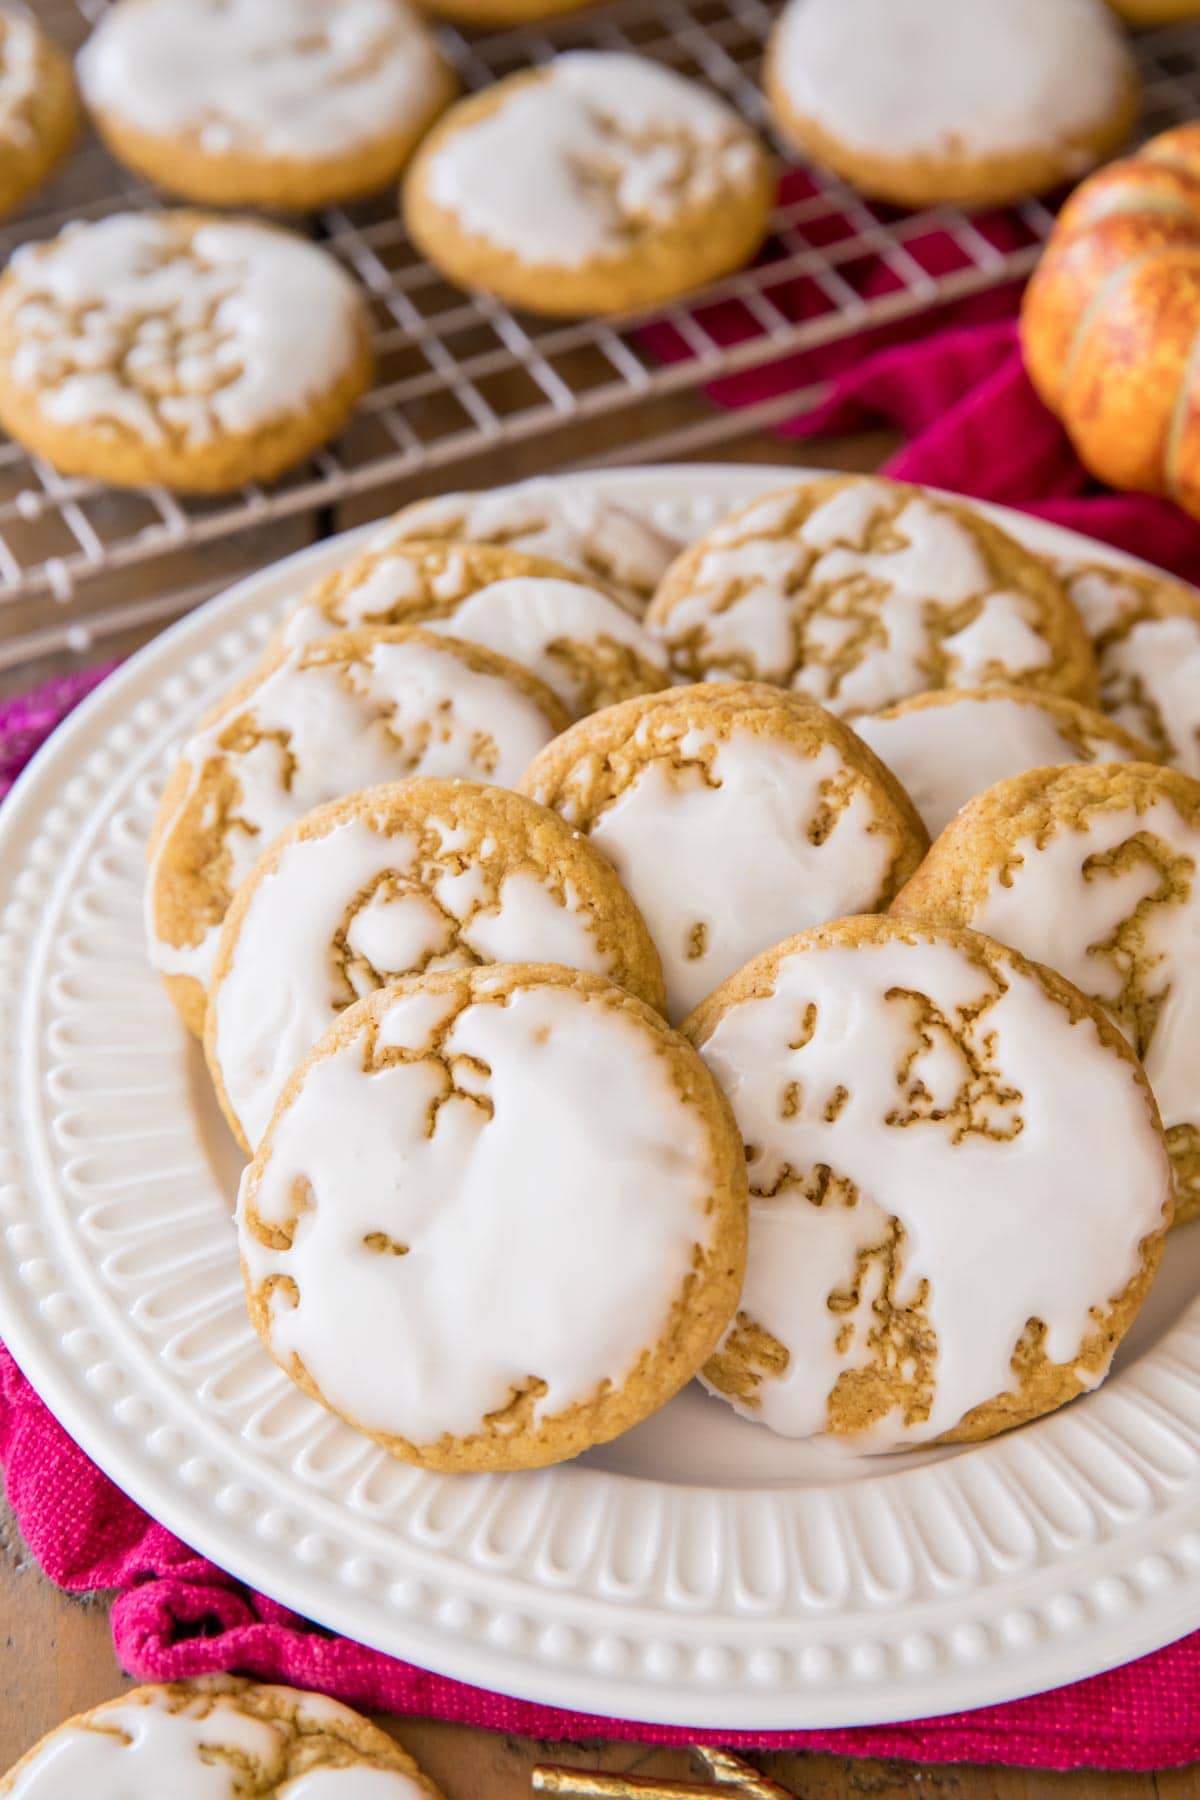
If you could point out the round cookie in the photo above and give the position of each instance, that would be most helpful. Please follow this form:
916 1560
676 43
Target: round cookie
735 814
39 114
595 184
494 15
958 1185
950 744
999 98
311 724
585 532
180 348
527 1229
860 592
571 635
1145 633
1093 871
210 1739
281 103
397 881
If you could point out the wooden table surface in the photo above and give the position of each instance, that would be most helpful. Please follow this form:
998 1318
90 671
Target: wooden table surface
56 1652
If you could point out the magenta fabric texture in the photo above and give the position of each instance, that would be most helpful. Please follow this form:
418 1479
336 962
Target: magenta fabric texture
973 425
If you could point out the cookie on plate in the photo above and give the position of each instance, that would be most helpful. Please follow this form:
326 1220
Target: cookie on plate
396 881
926 101
573 636
1145 632
948 745
597 183
582 531
958 1185
39 114
735 814
282 103
861 591
499 1215
217 1738
311 724
178 347
1093 871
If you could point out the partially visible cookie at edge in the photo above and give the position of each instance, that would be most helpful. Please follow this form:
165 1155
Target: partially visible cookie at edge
39 110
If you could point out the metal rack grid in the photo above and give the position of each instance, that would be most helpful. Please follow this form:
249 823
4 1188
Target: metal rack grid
461 378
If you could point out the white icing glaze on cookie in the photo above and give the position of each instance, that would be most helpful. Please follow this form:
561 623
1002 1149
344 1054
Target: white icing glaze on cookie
166 329
353 1784
943 755
300 80
1024 1170
600 148
720 861
750 593
1149 673
321 730
416 911
908 78
529 1248
18 77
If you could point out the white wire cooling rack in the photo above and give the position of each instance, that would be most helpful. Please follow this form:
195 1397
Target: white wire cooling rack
462 381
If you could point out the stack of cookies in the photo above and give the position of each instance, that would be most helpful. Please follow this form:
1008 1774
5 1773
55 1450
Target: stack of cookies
558 910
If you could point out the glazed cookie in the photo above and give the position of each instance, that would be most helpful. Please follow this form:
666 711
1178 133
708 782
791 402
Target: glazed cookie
1093 871
179 348
39 115
861 592
281 103
397 881
217 1738
999 98
570 634
314 723
945 746
735 815
1145 633
958 1185
584 532
525 1230
598 183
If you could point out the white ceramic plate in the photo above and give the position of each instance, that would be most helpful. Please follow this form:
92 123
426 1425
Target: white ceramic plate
699 1570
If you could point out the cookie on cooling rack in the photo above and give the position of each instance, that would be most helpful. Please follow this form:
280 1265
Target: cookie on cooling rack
313 723
39 114
958 1185
948 745
573 636
566 1245
735 814
597 183
398 881
178 347
1145 632
218 1738
1093 871
860 592
580 530
926 101
258 103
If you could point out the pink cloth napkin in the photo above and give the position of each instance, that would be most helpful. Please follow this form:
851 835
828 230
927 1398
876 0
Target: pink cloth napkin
973 425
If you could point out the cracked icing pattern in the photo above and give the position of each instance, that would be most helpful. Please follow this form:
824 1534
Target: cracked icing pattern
1093 872
587 533
860 592
318 721
175 328
575 638
735 815
919 1106
394 882
539 1304
946 746
219 1738
1145 632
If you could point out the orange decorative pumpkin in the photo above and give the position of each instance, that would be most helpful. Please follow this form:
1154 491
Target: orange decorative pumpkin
1110 323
